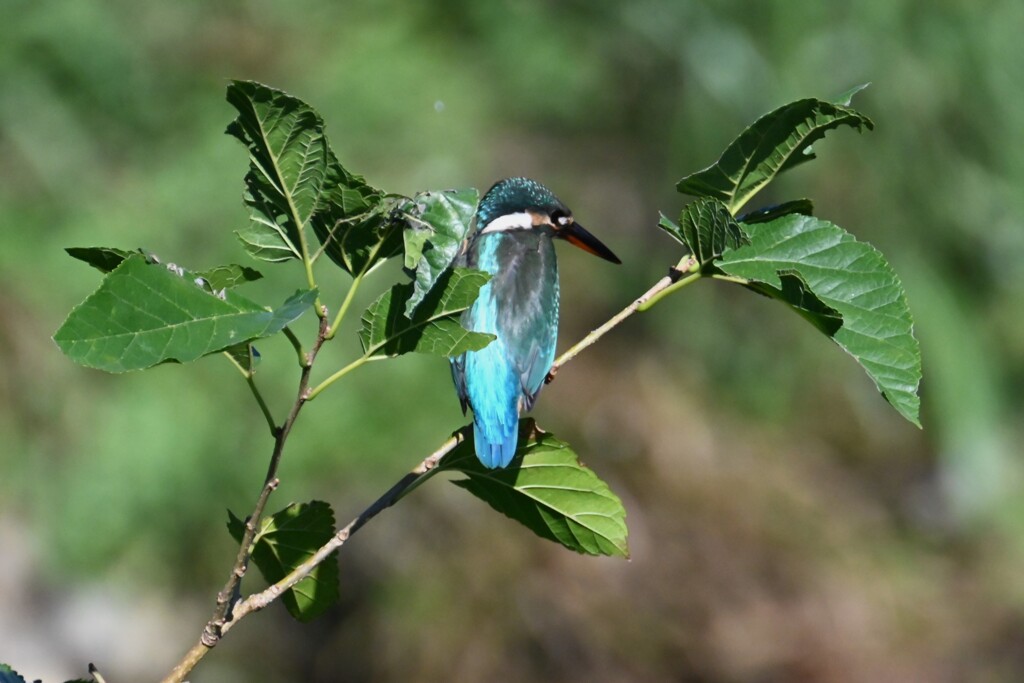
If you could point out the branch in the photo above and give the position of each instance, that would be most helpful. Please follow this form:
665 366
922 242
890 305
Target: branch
680 275
419 474
673 281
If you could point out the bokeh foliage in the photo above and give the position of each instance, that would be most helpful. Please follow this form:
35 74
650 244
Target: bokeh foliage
771 493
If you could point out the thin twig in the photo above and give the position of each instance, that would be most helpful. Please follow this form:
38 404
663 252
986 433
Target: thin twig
677 285
315 391
249 377
356 281
234 361
264 408
297 345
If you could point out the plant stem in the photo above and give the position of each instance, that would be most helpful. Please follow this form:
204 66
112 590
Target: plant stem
370 264
333 329
307 262
675 286
227 597
297 345
250 380
313 393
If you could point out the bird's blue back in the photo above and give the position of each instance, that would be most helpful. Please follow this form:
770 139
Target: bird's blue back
520 306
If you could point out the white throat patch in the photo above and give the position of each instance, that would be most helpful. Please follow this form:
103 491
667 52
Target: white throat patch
512 221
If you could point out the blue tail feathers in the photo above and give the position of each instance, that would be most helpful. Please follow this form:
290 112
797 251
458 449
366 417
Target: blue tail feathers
493 389
495 447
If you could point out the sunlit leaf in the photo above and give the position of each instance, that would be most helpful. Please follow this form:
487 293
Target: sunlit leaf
776 142
296 181
434 327
263 239
442 220
797 255
144 314
285 540
288 164
414 239
549 491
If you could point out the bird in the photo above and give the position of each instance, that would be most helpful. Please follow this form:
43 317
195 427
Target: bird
516 223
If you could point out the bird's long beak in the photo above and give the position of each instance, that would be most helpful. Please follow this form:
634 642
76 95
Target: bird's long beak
574 233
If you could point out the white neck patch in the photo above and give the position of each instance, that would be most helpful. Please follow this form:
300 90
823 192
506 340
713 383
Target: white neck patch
512 221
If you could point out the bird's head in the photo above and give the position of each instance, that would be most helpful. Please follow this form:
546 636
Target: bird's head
522 204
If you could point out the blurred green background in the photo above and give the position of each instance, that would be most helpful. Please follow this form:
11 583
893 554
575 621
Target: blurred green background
786 524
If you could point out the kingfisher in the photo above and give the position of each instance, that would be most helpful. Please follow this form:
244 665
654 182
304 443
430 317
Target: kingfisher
516 223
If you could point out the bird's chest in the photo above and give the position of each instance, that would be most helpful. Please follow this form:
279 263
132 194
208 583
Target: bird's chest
522 295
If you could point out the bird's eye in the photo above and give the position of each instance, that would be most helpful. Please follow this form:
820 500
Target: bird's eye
560 218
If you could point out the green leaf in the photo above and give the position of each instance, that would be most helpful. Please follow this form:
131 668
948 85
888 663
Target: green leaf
106 259
776 142
414 240
287 539
265 240
295 180
442 219
847 97
354 222
9 675
358 243
549 491
103 259
770 213
434 327
288 165
144 314
226 277
245 355
795 292
793 256
706 228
